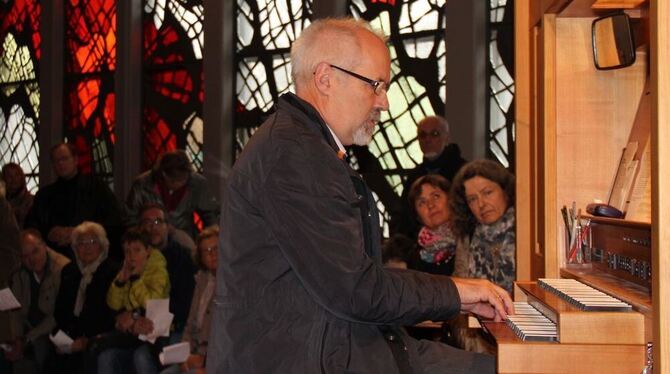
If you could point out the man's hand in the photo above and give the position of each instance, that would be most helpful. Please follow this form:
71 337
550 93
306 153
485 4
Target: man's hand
79 344
194 361
481 297
16 352
143 325
124 321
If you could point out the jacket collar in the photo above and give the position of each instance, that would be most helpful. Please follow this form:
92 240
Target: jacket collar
313 116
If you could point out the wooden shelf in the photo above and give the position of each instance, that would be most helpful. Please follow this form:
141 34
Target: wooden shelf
617 4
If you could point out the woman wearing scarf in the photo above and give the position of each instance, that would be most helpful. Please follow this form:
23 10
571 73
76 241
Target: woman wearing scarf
429 195
81 309
482 203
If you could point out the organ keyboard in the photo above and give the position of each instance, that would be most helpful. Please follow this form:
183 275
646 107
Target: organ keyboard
556 331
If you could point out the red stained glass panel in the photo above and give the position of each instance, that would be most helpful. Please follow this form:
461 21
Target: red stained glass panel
90 63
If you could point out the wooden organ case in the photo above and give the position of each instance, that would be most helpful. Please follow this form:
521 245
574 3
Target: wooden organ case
573 123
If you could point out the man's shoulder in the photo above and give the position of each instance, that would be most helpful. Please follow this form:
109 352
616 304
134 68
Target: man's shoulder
175 250
58 261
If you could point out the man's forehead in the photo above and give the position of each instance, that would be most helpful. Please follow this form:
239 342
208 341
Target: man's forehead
152 213
29 243
429 125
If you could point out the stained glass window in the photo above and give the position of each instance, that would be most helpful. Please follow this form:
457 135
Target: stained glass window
265 30
90 63
19 88
500 134
173 78
418 76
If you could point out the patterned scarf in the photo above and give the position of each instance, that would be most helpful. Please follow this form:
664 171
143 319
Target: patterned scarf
493 251
86 278
437 246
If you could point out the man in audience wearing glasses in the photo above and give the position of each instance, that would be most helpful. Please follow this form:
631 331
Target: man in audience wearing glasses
180 266
439 157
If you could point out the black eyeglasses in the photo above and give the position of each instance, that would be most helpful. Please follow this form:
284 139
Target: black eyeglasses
377 86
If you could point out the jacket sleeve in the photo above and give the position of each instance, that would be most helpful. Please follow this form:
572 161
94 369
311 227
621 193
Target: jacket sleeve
312 211
134 201
47 299
207 205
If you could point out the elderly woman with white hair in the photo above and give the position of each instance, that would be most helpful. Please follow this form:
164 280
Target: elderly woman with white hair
81 308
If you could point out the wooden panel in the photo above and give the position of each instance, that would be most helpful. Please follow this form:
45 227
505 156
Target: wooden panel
548 153
660 77
524 240
595 111
517 356
618 4
601 328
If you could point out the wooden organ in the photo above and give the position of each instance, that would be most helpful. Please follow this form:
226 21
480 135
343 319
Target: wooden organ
551 333
574 124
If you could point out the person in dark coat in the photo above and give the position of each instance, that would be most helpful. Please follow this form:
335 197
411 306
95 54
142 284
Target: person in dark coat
439 157
300 284
72 199
81 309
173 183
10 254
17 193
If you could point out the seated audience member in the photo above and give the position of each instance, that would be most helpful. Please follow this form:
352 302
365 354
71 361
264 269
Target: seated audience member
142 277
180 266
439 157
81 307
482 205
199 317
429 195
173 183
17 193
35 286
72 199
10 254
396 252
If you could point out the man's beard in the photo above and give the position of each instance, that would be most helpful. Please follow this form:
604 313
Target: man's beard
431 155
363 134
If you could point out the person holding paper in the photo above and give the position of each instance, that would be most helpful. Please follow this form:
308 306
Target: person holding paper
142 277
81 306
35 286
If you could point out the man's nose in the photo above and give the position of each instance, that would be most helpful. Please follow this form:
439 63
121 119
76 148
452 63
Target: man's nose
383 101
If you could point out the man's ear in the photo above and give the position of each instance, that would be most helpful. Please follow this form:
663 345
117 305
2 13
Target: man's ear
323 77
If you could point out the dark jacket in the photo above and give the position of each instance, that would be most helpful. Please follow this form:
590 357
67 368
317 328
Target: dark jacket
181 270
447 165
298 291
95 317
10 254
71 202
